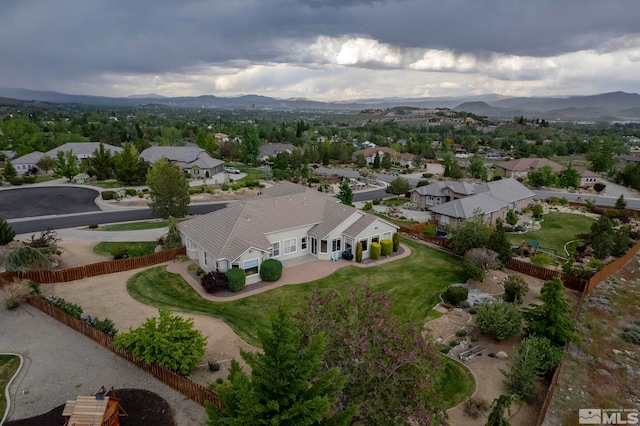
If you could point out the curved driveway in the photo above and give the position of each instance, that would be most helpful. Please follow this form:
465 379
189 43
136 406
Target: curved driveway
47 200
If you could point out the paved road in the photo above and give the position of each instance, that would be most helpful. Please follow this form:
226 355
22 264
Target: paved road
49 200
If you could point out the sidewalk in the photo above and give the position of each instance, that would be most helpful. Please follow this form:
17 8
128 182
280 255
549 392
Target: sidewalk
298 274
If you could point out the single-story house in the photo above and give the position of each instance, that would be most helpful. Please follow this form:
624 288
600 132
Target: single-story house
521 167
27 162
194 160
623 160
272 149
440 192
369 155
587 177
493 200
285 222
82 150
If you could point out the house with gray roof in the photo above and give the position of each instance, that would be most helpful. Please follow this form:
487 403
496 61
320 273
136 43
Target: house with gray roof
82 150
269 150
441 192
285 222
521 167
26 163
192 159
451 203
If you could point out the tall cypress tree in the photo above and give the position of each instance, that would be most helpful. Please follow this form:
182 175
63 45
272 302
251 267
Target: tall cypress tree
6 232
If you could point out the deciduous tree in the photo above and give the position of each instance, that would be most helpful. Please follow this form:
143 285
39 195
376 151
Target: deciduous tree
399 186
499 320
46 164
169 190
286 386
474 232
167 340
250 145
391 367
66 164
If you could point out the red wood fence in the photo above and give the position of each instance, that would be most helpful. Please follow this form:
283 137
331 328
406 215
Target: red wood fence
185 386
94 269
545 274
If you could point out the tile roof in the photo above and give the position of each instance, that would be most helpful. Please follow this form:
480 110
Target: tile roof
30 158
272 149
229 232
464 208
82 148
508 190
436 189
528 164
186 154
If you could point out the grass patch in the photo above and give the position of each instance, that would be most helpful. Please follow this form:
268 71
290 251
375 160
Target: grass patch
413 285
44 178
456 382
137 226
134 249
396 201
8 366
399 222
556 230
252 173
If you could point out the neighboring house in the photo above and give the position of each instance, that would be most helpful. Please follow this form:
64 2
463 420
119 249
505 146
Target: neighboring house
587 177
27 162
82 150
8 153
521 167
285 222
442 192
623 160
221 137
451 203
272 149
369 155
194 160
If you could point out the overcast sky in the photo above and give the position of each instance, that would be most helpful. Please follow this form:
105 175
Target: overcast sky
321 49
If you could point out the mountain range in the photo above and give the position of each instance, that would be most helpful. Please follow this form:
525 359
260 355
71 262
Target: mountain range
603 107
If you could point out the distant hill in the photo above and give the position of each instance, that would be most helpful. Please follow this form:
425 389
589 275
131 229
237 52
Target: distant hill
606 106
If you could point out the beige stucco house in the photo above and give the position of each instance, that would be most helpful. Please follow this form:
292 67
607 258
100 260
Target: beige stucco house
521 167
285 222
192 159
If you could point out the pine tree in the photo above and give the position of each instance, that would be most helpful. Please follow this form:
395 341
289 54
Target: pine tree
169 190
6 232
172 239
346 193
286 386
554 318
496 417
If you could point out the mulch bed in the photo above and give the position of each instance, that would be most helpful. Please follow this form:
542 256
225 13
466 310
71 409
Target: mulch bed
144 408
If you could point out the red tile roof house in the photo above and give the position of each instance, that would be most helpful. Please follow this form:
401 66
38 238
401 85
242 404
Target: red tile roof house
286 221
520 168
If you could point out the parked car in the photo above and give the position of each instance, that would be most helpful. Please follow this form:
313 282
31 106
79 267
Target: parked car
232 170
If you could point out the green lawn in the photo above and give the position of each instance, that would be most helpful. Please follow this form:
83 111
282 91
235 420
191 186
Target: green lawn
8 366
413 285
137 226
134 249
107 184
557 229
396 201
456 382
399 222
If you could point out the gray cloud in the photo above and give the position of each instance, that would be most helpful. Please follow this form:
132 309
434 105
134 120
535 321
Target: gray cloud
47 43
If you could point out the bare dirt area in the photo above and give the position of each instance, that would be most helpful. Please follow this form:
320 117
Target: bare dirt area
602 370
485 368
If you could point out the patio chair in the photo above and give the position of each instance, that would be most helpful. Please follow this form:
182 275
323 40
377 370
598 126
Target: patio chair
335 256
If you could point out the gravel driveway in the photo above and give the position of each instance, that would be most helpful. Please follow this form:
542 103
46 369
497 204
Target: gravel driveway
61 364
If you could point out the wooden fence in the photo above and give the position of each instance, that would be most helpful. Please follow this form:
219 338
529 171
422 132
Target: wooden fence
612 267
545 274
94 269
185 386
415 233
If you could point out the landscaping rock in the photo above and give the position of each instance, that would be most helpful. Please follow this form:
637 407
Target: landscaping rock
502 355
603 372
616 352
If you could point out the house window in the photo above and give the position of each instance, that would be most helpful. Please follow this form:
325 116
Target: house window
290 246
204 259
314 245
250 267
348 243
335 244
386 236
235 266
303 243
430 200
191 245
375 239
323 246
275 249
415 198
437 201
365 244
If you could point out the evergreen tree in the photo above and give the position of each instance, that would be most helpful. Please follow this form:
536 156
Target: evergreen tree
386 161
9 172
376 161
496 416
621 204
6 232
250 145
101 163
512 217
554 318
126 165
172 239
476 168
499 242
169 190
346 193
286 385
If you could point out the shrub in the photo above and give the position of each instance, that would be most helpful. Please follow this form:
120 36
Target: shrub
271 270
429 229
93 226
214 281
68 307
455 294
224 186
6 232
368 206
376 201
359 252
119 252
499 320
132 192
386 247
213 366
108 195
236 278
476 272
515 287
106 325
375 250
235 186
461 333
631 333
541 259
396 241
14 293
475 407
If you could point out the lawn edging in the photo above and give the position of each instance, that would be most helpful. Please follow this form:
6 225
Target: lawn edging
7 394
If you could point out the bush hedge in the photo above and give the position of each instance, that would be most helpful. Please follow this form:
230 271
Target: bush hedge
396 241
271 270
359 252
236 278
455 294
214 281
108 195
386 247
119 252
375 250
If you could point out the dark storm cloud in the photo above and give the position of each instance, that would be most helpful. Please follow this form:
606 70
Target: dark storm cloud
46 41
